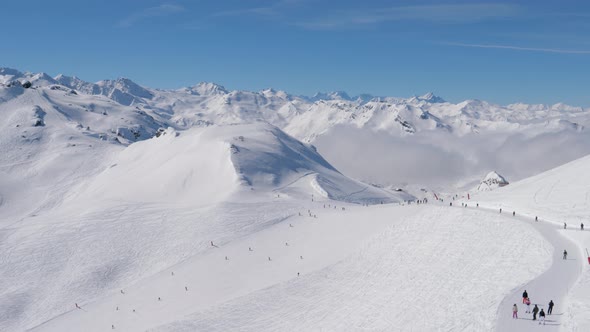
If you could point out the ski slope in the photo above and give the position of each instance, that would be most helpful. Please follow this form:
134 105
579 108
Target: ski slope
372 268
558 196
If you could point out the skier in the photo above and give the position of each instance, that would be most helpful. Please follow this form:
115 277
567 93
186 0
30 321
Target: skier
535 311
513 213
542 317
500 210
536 218
77 306
525 296
528 305
186 288
582 226
564 254
514 311
564 225
550 309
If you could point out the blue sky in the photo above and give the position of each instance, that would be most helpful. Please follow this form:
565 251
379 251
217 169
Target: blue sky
529 51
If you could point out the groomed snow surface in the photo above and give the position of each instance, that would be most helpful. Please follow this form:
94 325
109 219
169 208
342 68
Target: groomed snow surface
365 268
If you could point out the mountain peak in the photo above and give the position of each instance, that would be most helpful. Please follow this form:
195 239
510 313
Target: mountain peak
431 98
208 88
492 181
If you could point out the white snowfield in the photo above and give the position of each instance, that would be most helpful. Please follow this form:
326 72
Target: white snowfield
196 210
366 268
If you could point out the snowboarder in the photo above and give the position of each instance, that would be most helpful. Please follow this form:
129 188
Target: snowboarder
542 317
528 305
515 311
550 309
582 226
525 296
535 311
564 254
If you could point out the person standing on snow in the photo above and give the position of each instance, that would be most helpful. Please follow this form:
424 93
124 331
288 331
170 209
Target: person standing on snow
515 311
525 296
550 309
528 305
542 317
535 311
564 254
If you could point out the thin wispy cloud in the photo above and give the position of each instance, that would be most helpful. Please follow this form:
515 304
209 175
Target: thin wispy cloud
264 11
519 48
274 10
448 14
151 12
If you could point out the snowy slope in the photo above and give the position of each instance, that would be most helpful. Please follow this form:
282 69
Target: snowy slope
355 273
558 196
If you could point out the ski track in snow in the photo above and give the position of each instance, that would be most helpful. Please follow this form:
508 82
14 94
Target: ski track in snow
553 284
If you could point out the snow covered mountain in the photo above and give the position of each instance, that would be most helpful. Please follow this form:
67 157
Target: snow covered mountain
348 130
492 181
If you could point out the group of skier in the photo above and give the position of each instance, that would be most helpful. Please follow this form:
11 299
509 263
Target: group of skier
581 226
527 301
